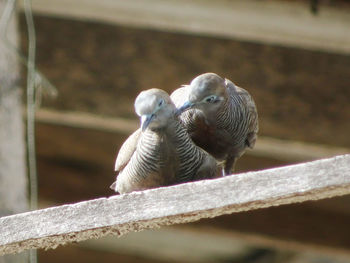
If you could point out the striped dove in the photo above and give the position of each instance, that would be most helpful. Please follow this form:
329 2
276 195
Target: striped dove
219 116
160 153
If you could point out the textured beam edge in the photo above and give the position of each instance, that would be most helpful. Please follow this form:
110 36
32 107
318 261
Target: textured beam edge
118 215
282 150
245 20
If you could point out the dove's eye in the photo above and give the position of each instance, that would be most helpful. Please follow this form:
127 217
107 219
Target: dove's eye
160 103
210 99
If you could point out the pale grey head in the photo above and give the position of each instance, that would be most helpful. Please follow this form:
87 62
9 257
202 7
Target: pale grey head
206 92
155 109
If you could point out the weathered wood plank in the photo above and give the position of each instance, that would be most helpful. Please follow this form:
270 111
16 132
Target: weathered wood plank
183 203
246 20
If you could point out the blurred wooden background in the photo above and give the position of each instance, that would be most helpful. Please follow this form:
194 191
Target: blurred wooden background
100 55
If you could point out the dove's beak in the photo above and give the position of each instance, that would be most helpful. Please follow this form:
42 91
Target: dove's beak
187 105
146 120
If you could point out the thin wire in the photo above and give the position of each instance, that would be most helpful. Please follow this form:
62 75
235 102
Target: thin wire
31 105
33 178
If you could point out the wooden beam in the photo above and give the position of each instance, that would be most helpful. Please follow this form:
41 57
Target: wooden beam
292 151
177 243
283 150
273 22
83 120
79 254
116 250
183 203
298 227
187 243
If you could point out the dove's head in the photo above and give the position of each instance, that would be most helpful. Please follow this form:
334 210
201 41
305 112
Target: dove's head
206 92
155 108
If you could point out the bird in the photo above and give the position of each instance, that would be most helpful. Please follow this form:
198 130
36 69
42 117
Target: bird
160 152
219 116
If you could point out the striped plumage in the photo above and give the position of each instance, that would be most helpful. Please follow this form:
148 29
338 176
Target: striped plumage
220 117
161 152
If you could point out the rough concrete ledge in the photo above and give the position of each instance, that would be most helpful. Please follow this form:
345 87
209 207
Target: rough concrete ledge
118 215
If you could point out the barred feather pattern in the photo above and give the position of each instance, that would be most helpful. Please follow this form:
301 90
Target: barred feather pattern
234 117
146 159
237 115
190 156
187 119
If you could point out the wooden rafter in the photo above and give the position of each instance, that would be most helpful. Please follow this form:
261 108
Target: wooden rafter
283 150
273 22
183 203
